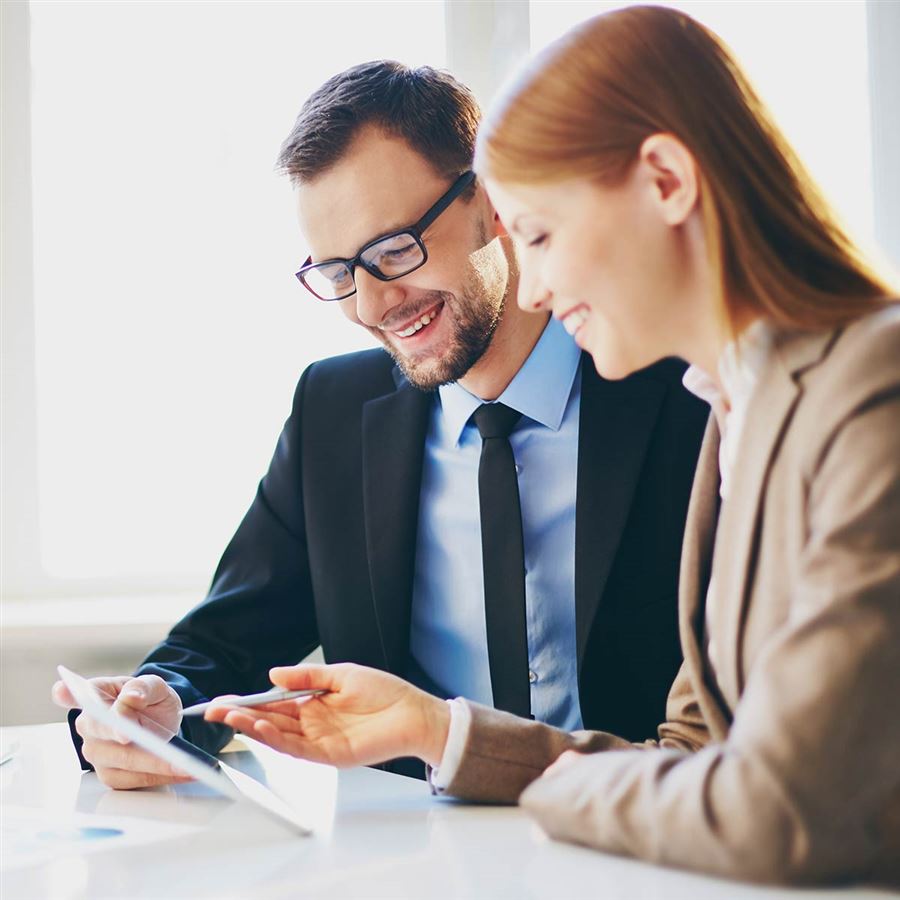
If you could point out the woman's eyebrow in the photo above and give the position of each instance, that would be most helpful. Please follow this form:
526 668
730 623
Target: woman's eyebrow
518 224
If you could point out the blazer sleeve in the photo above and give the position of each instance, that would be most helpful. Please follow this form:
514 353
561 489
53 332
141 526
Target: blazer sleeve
807 785
259 611
502 754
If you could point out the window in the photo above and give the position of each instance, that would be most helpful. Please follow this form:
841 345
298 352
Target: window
169 329
146 375
808 61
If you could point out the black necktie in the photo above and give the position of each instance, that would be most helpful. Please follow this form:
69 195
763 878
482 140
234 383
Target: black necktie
503 559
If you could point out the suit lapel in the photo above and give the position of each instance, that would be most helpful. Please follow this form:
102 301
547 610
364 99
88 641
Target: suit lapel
768 415
615 424
393 435
696 564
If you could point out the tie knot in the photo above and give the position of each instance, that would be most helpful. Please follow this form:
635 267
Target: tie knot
494 420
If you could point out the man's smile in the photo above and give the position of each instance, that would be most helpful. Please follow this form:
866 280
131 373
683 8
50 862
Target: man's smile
412 327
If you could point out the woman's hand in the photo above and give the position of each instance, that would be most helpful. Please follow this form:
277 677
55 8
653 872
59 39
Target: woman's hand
368 716
563 761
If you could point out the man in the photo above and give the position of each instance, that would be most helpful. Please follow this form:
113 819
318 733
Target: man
387 528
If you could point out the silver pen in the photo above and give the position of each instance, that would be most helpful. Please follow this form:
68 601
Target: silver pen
9 752
273 696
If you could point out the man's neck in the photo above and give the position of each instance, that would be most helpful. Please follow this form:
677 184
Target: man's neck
515 338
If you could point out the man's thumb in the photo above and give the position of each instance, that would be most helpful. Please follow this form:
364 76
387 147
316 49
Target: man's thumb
134 694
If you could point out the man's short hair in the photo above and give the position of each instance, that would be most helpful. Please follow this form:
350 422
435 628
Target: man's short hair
429 109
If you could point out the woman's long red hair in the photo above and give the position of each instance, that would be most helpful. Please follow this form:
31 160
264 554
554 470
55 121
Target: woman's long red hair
584 106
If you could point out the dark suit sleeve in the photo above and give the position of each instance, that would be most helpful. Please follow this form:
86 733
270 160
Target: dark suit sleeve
259 611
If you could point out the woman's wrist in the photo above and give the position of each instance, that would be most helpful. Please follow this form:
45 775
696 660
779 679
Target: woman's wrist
435 728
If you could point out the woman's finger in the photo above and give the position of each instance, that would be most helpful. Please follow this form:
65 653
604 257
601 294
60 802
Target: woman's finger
244 720
308 676
294 744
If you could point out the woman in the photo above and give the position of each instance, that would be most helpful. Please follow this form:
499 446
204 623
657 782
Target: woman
657 212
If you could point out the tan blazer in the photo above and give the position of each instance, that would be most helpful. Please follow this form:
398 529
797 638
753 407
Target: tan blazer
784 765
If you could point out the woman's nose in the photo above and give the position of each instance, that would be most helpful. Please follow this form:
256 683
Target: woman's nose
533 295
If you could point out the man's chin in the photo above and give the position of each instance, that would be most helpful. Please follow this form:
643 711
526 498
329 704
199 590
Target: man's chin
430 370
427 374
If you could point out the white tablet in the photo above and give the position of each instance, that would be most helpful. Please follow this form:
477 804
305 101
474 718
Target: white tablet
224 779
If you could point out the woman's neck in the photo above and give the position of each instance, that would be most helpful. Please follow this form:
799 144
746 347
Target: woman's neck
707 344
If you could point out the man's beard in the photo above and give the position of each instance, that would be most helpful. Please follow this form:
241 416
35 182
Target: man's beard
474 319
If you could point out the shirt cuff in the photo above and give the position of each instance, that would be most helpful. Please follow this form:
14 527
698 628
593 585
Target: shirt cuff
460 719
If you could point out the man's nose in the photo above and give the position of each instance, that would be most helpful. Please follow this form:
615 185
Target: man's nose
375 297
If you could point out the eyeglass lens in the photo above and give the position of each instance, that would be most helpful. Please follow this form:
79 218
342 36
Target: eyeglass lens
392 257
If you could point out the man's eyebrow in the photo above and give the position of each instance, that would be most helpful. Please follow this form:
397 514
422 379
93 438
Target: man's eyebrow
393 229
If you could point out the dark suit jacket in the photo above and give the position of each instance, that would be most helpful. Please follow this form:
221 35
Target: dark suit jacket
325 555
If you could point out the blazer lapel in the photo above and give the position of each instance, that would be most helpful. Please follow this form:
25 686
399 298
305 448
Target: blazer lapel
615 424
696 565
393 437
768 415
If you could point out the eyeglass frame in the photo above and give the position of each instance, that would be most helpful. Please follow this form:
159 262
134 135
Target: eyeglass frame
415 231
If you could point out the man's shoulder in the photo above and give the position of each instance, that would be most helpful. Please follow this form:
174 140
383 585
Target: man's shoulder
347 365
357 376
669 370
666 373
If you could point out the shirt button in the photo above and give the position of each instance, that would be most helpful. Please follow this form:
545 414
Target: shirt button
532 676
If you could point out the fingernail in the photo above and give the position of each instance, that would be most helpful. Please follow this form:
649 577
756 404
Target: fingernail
135 695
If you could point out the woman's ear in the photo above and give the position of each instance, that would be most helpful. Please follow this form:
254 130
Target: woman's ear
671 173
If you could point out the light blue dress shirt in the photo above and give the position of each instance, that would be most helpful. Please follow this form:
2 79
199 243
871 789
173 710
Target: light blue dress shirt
448 638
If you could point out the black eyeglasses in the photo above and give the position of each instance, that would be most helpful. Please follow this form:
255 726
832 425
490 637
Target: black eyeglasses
386 258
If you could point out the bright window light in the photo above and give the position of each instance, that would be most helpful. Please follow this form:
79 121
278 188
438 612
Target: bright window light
170 330
808 61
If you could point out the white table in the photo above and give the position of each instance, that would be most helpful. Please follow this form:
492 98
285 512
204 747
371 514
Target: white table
375 835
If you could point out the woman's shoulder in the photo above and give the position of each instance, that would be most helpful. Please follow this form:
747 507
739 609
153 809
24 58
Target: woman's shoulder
841 375
849 400
878 332
862 361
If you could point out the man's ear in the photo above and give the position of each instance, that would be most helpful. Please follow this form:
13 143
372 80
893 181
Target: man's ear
497 228
670 171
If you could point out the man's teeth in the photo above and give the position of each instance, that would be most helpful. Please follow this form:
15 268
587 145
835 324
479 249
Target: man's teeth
574 320
418 325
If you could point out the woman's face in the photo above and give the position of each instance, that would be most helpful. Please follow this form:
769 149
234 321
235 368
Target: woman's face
610 263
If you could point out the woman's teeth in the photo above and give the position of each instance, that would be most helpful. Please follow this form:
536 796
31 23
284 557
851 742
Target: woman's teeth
418 325
575 319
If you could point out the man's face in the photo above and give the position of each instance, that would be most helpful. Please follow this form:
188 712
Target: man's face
437 321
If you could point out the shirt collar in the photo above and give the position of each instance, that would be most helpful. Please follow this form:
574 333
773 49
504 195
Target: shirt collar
540 389
739 367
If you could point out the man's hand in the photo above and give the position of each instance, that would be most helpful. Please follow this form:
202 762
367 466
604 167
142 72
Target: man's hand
119 763
367 717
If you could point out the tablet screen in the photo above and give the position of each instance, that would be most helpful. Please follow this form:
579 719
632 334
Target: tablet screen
225 780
